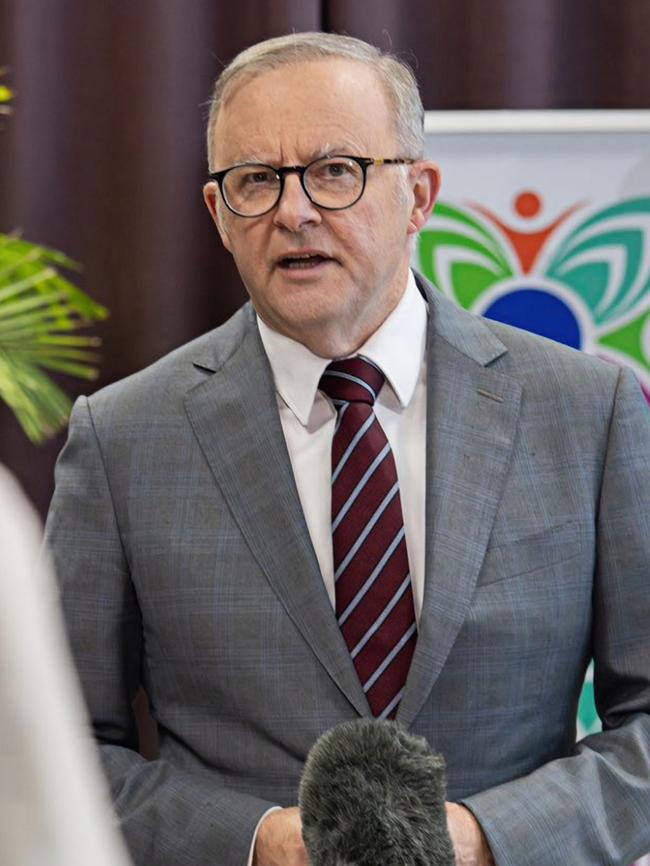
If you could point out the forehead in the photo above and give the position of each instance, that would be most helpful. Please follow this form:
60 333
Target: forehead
302 110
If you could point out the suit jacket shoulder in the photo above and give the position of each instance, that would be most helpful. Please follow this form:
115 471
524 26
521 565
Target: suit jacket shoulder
159 389
546 369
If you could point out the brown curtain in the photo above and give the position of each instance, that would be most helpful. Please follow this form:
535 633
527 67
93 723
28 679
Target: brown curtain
103 157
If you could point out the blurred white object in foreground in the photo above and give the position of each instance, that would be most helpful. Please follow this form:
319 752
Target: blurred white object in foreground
54 809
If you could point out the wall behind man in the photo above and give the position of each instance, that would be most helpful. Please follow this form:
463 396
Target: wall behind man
103 157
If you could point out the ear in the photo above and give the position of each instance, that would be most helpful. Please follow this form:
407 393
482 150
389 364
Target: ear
212 202
425 184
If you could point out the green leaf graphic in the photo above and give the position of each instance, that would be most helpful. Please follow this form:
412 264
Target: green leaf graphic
601 260
587 709
475 259
629 339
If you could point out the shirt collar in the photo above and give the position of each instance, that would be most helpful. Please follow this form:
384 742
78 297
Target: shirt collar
397 347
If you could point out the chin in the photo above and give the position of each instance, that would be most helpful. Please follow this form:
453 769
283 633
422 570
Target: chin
330 340
316 313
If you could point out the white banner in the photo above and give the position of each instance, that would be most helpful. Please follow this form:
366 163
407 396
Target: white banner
544 222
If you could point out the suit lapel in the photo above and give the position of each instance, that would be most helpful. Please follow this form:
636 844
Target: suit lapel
472 414
235 418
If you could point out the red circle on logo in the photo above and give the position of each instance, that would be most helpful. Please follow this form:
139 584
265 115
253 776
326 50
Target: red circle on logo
528 204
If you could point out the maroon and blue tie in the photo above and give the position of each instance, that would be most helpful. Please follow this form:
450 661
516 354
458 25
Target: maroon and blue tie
374 596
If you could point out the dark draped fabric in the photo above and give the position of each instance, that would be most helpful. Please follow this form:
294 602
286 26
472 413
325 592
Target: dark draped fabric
103 157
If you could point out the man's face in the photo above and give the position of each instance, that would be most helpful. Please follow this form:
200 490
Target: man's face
359 256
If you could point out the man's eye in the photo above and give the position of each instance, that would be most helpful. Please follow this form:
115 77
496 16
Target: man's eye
339 169
334 171
257 178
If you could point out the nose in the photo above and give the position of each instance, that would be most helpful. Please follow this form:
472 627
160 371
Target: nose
295 211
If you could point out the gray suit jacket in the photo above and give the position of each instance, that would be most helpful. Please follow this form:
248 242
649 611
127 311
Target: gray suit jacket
185 563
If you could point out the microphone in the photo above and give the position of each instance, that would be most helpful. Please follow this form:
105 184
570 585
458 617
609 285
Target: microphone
372 794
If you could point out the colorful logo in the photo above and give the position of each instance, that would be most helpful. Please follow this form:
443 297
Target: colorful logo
582 279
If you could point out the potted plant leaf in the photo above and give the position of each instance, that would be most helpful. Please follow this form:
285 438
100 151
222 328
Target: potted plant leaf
41 312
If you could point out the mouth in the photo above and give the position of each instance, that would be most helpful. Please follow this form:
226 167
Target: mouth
303 261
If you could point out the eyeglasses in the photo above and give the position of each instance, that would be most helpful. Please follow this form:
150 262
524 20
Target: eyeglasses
331 182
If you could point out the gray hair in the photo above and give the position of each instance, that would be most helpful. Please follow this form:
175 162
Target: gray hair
396 77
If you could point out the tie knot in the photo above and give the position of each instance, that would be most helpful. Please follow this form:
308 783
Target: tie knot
354 380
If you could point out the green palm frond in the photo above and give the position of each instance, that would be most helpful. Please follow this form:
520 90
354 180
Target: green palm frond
40 313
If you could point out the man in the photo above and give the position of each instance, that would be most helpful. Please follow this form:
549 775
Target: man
494 537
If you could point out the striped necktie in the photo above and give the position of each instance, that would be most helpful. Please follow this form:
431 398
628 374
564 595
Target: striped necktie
374 597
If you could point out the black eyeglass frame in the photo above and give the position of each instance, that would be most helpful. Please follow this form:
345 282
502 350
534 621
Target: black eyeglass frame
283 170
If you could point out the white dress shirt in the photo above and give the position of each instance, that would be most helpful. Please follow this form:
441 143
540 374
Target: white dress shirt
308 417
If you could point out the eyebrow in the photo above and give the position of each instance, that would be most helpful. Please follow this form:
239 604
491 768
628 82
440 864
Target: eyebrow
328 149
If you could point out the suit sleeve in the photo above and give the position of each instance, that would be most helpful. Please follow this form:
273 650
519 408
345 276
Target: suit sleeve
593 806
167 815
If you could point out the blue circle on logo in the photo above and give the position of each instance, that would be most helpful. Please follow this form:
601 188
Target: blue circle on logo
538 311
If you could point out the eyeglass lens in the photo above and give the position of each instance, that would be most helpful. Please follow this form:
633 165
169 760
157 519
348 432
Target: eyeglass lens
332 182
